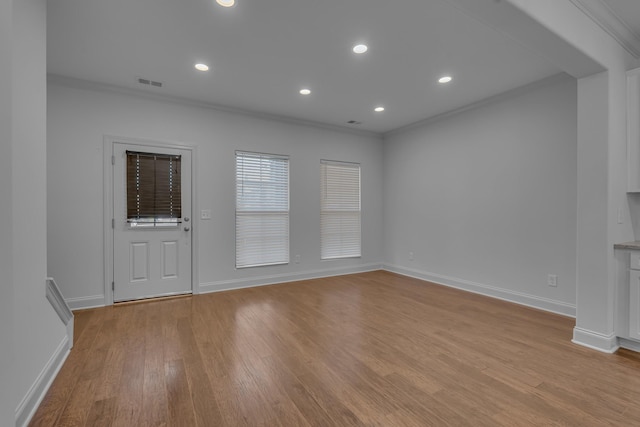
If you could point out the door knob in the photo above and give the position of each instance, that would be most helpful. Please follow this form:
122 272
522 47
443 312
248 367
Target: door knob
186 229
186 219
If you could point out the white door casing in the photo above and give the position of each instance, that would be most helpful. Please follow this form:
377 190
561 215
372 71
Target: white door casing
150 261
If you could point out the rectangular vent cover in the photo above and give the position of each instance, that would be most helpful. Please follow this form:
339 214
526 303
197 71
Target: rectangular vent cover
148 82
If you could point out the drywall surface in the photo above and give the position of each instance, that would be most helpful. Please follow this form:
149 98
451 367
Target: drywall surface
596 293
37 332
488 196
80 117
6 213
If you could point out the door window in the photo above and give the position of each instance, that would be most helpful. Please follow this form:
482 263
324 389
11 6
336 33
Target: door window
154 197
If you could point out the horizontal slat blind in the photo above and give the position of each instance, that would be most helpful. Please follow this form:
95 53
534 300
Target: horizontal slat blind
340 229
153 187
262 209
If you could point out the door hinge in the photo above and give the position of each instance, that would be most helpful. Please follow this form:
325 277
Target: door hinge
113 160
113 223
113 286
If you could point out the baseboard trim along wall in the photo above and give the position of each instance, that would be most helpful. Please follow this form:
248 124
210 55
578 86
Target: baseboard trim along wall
248 282
94 301
29 404
60 306
521 298
629 344
595 340
81 303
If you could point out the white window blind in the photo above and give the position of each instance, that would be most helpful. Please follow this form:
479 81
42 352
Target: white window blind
340 210
262 209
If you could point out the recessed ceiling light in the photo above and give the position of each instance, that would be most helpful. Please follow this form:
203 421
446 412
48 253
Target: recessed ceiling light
360 48
226 3
305 91
379 109
445 79
202 67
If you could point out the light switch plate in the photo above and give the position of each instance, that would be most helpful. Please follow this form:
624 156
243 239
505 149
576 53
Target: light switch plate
205 214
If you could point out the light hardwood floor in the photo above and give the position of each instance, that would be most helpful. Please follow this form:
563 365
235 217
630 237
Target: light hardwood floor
366 349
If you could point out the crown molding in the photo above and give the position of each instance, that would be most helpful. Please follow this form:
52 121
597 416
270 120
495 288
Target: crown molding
76 83
602 14
555 78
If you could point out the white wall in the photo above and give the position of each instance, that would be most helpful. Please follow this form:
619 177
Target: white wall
79 118
39 337
489 196
598 228
6 213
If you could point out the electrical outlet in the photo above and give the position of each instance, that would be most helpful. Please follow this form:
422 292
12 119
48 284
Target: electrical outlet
297 259
205 214
552 280
411 256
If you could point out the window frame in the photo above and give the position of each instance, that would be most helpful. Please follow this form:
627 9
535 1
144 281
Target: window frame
328 252
269 213
165 187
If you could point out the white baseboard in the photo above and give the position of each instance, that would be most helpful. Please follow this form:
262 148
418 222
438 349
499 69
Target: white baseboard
60 306
29 404
521 298
81 303
248 282
595 340
629 344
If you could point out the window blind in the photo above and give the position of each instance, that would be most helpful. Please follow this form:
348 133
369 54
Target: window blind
153 187
262 209
340 230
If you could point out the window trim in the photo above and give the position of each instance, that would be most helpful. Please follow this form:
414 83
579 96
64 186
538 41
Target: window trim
161 215
238 213
323 211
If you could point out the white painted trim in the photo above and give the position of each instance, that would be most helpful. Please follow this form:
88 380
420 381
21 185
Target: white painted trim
57 301
249 282
595 340
195 223
107 217
29 404
108 143
105 87
553 306
633 130
82 303
61 307
486 101
629 344
602 14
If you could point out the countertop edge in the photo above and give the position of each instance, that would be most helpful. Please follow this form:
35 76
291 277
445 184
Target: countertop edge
628 245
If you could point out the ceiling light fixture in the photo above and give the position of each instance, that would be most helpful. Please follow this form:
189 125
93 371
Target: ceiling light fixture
445 79
202 67
360 48
379 109
305 92
226 3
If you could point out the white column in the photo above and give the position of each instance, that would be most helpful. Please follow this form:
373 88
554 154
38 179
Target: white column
561 32
595 305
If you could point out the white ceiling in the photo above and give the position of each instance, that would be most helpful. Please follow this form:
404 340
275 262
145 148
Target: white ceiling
261 52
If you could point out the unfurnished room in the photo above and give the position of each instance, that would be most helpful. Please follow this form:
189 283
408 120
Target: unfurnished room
320 213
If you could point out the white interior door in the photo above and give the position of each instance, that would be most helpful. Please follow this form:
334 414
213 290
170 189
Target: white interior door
152 221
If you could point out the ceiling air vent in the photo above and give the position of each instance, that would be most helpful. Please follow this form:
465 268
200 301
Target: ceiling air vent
148 82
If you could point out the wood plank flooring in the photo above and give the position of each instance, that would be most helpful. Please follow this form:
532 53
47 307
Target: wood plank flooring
371 349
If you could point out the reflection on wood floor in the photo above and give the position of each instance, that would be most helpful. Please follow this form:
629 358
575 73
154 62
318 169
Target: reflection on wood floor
366 349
